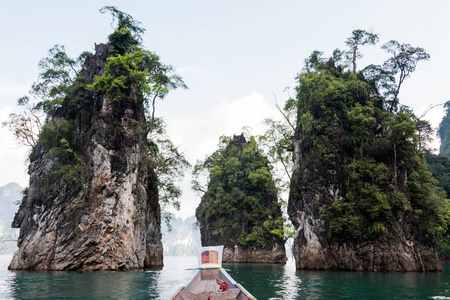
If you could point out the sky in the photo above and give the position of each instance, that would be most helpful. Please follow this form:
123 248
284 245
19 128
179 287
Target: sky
236 57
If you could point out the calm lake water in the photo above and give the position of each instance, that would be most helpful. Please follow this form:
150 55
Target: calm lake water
264 281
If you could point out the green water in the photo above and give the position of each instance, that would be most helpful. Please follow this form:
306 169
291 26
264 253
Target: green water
264 281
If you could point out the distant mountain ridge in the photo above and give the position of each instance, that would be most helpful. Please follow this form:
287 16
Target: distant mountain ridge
9 195
183 239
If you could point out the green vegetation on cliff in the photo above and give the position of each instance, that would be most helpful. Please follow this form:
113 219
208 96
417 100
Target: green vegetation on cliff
240 203
352 128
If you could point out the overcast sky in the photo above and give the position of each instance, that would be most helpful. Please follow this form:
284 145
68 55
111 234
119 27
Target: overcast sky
233 55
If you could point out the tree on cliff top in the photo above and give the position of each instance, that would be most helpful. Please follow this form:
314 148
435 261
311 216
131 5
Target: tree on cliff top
133 67
359 38
239 205
351 128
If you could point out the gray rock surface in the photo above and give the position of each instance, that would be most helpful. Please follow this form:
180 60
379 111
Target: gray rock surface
238 254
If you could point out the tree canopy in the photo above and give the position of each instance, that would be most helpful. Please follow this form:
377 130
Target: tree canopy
240 201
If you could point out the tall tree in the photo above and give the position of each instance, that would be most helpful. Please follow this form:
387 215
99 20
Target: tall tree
403 61
359 38
277 141
388 78
133 67
127 36
27 125
170 164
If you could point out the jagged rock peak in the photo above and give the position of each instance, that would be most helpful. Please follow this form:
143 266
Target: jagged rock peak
239 139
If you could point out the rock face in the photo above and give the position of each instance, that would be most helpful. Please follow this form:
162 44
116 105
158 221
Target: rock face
233 252
236 254
112 220
238 212
313 187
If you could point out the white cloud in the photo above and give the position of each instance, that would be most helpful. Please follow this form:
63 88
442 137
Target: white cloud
247 111
198 135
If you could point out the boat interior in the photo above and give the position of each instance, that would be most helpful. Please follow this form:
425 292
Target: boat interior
206 283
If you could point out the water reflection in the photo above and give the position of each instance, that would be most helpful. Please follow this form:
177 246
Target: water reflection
98 285
272 281
264 281
369 285
156 283
267 281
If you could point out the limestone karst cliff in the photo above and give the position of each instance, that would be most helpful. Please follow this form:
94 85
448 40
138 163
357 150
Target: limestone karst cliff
361 197
240 209
100 210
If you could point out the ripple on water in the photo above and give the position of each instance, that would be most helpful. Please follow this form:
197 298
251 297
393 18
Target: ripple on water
264 281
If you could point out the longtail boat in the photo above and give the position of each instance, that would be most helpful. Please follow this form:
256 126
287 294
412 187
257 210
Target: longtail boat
211 281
